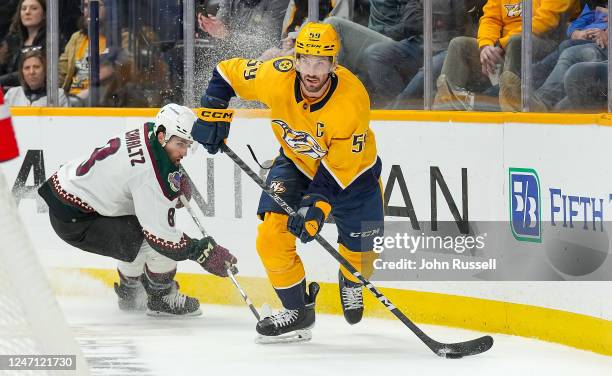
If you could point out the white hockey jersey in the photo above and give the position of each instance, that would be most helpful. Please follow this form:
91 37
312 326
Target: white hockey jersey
130 175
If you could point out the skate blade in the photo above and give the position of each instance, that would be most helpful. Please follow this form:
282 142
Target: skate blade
133 308
133 311
167 315
303 335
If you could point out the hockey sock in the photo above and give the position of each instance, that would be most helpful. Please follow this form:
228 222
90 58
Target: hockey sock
158 282
293 297
276 248
127 280
362 261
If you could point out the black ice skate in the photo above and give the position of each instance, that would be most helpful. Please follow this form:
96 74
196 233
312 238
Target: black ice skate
132 296
169 302
290 325
351 296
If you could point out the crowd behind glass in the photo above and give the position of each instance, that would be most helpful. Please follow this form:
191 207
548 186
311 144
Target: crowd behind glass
471 50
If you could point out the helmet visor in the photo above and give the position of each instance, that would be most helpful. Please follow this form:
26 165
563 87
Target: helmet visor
314 65
188 147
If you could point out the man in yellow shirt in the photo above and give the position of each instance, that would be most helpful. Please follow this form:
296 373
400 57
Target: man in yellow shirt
328 164
474 65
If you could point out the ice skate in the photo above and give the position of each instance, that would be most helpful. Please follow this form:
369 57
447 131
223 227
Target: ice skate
289 325
131 297
351 297
170 302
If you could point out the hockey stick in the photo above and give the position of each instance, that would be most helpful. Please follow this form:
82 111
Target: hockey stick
187 206
448 350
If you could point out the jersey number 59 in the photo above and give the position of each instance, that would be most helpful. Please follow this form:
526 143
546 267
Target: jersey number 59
358 142
251 69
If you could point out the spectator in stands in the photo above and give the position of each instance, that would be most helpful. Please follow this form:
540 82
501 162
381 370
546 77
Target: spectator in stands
33 89
297 12
245 27
296 15
583 30
592 18
389 20
73 65
116 68
26 33
361 12
70 15
391 65
4 53
287 48
117 84
586 86
553 90
117 88
446 27
151 74
7 10
473 65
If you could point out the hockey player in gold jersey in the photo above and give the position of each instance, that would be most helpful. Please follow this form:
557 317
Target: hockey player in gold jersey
328 164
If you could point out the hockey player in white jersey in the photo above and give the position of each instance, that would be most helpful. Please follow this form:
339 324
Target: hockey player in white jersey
120 202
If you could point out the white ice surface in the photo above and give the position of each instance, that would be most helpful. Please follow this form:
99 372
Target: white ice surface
221 342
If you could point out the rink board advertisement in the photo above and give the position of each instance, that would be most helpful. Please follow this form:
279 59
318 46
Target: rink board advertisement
539 196
507 197
463 201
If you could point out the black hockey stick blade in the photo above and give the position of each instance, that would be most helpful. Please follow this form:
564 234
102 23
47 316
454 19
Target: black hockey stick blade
461 349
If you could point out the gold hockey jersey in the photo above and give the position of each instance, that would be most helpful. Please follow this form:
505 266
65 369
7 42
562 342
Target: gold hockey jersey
333 130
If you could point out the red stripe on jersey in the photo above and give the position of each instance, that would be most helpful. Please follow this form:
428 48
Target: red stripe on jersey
8 144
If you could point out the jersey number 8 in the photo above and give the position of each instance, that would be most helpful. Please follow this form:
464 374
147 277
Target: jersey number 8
99 154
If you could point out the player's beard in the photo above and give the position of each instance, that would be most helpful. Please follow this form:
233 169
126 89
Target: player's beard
176 160
313 86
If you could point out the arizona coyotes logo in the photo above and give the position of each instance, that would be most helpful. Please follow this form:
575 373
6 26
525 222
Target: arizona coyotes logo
174 179
514 10
301 142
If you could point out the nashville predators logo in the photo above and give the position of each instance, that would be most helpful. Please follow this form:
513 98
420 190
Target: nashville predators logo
277 187
514 10
301 142
283 65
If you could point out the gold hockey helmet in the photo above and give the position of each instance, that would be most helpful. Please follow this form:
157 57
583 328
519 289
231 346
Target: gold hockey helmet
319 39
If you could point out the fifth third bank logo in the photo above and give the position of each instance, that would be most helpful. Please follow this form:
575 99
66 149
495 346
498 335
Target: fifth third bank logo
525 219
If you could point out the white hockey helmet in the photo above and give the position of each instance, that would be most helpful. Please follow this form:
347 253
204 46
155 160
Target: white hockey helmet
177 121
